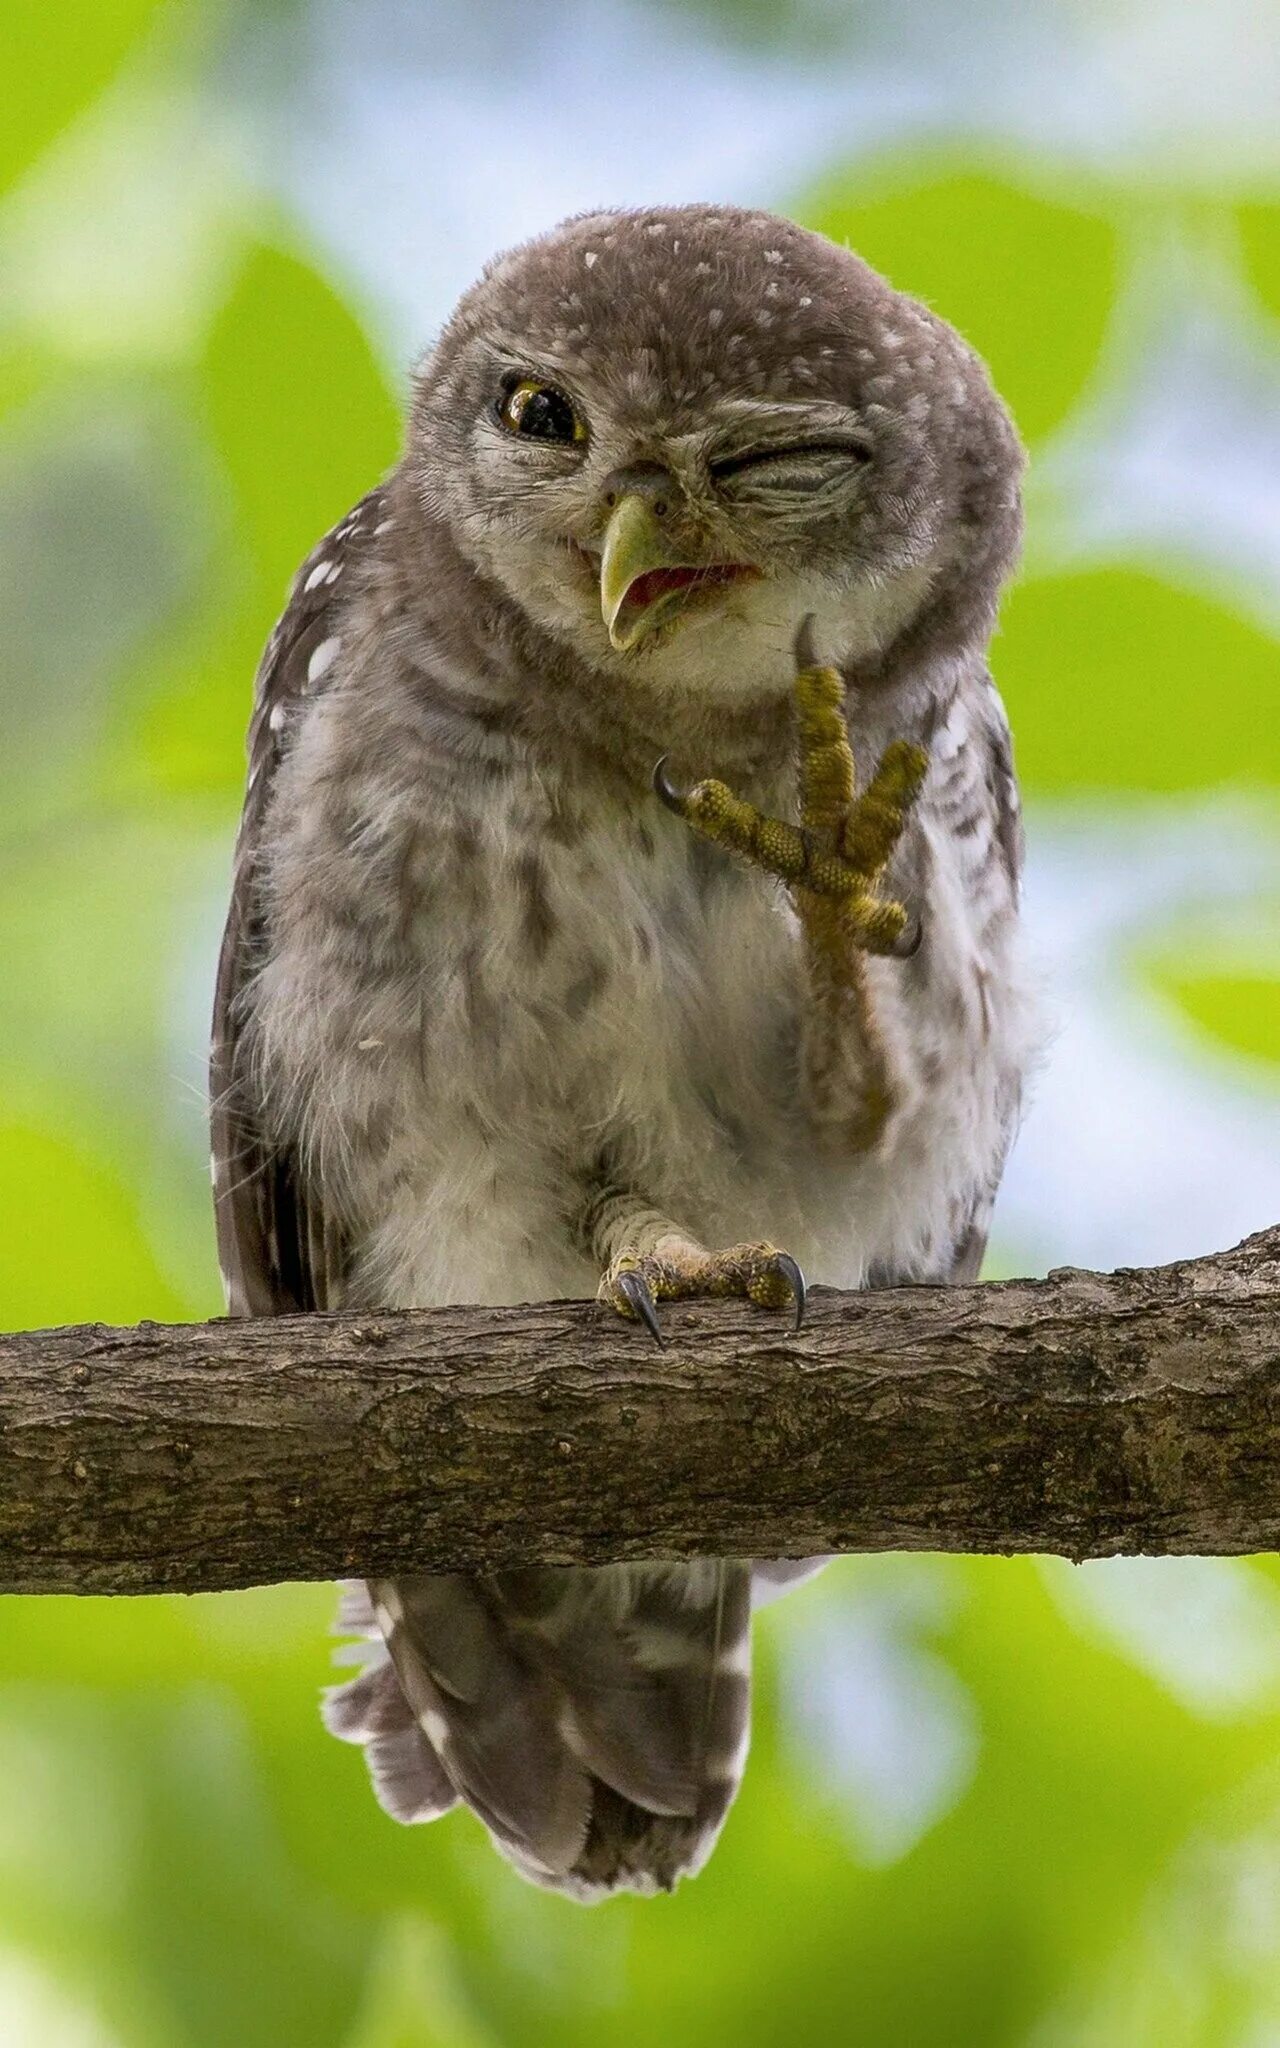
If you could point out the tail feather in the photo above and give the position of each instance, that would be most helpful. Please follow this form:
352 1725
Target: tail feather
629 1655
596 1721
409 1780
491 1719
772 1576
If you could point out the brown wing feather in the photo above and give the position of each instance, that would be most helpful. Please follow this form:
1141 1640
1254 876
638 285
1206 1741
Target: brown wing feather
277 1249
1002 782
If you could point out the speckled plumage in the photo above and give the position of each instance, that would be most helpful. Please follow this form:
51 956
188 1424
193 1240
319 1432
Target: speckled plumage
489 1014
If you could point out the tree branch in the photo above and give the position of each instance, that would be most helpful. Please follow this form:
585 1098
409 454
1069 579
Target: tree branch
1085 1414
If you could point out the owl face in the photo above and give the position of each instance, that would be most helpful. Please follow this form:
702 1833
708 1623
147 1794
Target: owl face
669 437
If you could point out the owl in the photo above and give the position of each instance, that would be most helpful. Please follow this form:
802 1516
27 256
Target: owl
625 905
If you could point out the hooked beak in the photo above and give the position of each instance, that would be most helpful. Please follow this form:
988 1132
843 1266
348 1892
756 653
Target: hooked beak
642 579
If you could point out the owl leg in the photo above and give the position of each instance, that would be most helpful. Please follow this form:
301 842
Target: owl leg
646 1258
833 863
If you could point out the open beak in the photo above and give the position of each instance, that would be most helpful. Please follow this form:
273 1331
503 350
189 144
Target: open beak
642 580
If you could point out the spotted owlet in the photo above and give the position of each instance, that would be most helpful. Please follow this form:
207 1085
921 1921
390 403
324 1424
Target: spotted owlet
626 904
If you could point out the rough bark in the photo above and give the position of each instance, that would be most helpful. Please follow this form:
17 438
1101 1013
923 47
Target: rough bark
1085 1414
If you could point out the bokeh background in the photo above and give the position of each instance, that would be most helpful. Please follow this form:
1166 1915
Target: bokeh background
991 1802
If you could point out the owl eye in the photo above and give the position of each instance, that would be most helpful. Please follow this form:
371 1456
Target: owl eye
792 454
540 413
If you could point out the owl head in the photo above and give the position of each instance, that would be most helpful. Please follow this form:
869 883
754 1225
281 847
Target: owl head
670 435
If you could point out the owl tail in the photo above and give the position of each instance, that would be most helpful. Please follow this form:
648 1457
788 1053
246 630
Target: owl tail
597 1722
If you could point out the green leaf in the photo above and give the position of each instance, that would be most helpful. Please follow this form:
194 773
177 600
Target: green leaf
302 420
1239 1011
411 2000
1028 280
1115 679
54 60
26 369
1259 226
102 1270
790 27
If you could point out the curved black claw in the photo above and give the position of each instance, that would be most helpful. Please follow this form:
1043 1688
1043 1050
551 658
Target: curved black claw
666 789
636 1289
806 645
795 1279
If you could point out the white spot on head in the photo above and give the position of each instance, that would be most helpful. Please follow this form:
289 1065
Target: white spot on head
715 316
806 302
702 270
383 526
773 255
591 257
279 712
322 659
317 575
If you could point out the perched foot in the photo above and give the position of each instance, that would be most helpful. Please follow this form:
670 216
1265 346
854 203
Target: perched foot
636 1281
834 860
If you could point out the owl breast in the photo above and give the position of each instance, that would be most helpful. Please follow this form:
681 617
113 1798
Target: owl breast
619 1002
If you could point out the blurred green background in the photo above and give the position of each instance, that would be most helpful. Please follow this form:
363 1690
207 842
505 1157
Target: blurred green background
989 1802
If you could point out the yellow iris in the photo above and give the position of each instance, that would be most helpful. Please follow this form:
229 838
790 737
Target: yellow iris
541 412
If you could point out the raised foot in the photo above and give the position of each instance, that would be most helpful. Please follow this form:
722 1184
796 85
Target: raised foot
635 1282
839 851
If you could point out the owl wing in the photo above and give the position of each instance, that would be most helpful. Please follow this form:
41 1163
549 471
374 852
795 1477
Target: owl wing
1002 789
278 1250
1001 797
596 1721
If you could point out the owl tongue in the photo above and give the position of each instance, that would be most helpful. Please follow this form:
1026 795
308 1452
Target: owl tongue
655 583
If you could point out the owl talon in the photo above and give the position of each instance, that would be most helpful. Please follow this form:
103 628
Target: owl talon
806 645
834 861
791 1273
681 1270
635 1288
666 789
